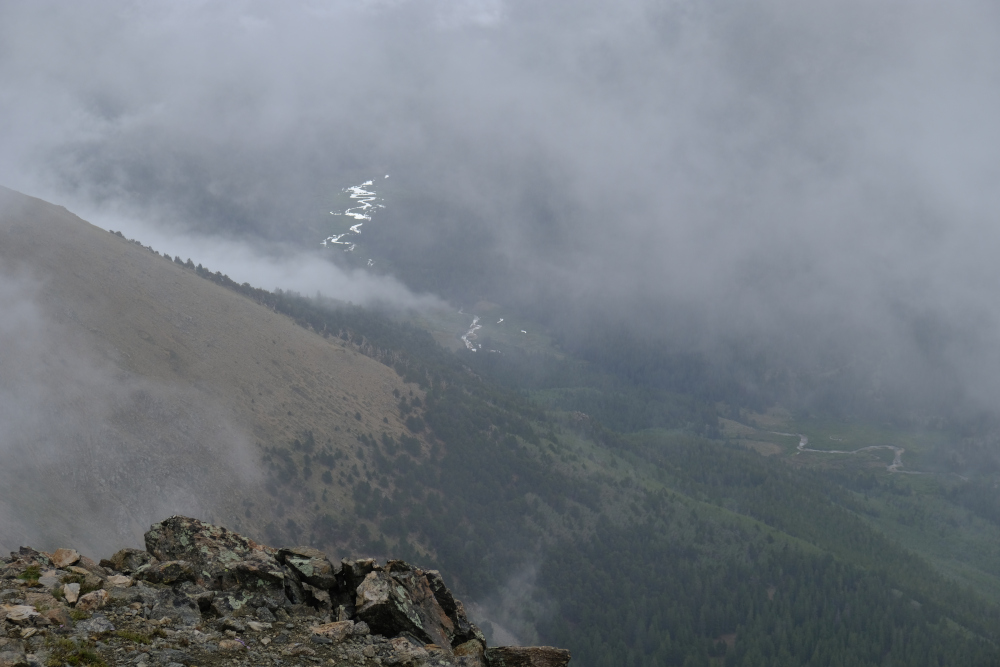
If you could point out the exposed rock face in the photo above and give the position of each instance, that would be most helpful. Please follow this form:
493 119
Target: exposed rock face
262 603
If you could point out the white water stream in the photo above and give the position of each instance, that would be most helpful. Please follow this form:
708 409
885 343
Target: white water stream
470 335
367 203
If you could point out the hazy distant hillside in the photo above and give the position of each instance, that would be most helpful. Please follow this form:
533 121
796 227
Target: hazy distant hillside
570 501
131 387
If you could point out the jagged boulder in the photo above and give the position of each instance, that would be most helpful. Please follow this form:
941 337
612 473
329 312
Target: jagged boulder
463 630
221 560
310 565
403 600
62 558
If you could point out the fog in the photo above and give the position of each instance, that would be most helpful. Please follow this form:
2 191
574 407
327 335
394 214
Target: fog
818 179
273 266
91 455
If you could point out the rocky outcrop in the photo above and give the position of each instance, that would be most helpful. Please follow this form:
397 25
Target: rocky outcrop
201 594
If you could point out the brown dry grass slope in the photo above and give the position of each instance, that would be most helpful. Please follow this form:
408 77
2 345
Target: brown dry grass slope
163 380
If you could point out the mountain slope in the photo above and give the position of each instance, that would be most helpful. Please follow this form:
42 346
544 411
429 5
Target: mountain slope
134 385
163 385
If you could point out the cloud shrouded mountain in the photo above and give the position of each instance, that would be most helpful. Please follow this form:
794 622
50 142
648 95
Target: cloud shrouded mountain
133 389
818 182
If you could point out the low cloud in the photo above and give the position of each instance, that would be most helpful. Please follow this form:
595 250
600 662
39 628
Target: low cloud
90 455
269 266
818 181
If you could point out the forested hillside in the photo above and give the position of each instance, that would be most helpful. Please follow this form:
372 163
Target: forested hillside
623 516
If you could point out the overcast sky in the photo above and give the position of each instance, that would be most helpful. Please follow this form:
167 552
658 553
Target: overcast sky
821 174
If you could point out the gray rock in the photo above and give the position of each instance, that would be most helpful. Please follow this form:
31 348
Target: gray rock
177 606
130 561
463 629
265 616
13 659
203 598
168 572
222 560
398 600
97 624
355 571
174 656
316 598
51 578
310 565
141 592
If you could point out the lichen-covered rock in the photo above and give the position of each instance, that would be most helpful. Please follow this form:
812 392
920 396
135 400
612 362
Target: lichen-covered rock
98 624
169 572
400 598
224 561
206 546
357 612
130 561
26 557
311 565
180 608
387 608
527 656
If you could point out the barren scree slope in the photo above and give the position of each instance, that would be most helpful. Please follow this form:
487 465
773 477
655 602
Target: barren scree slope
137 388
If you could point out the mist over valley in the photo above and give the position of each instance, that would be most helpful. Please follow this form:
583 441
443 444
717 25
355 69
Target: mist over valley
665 331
